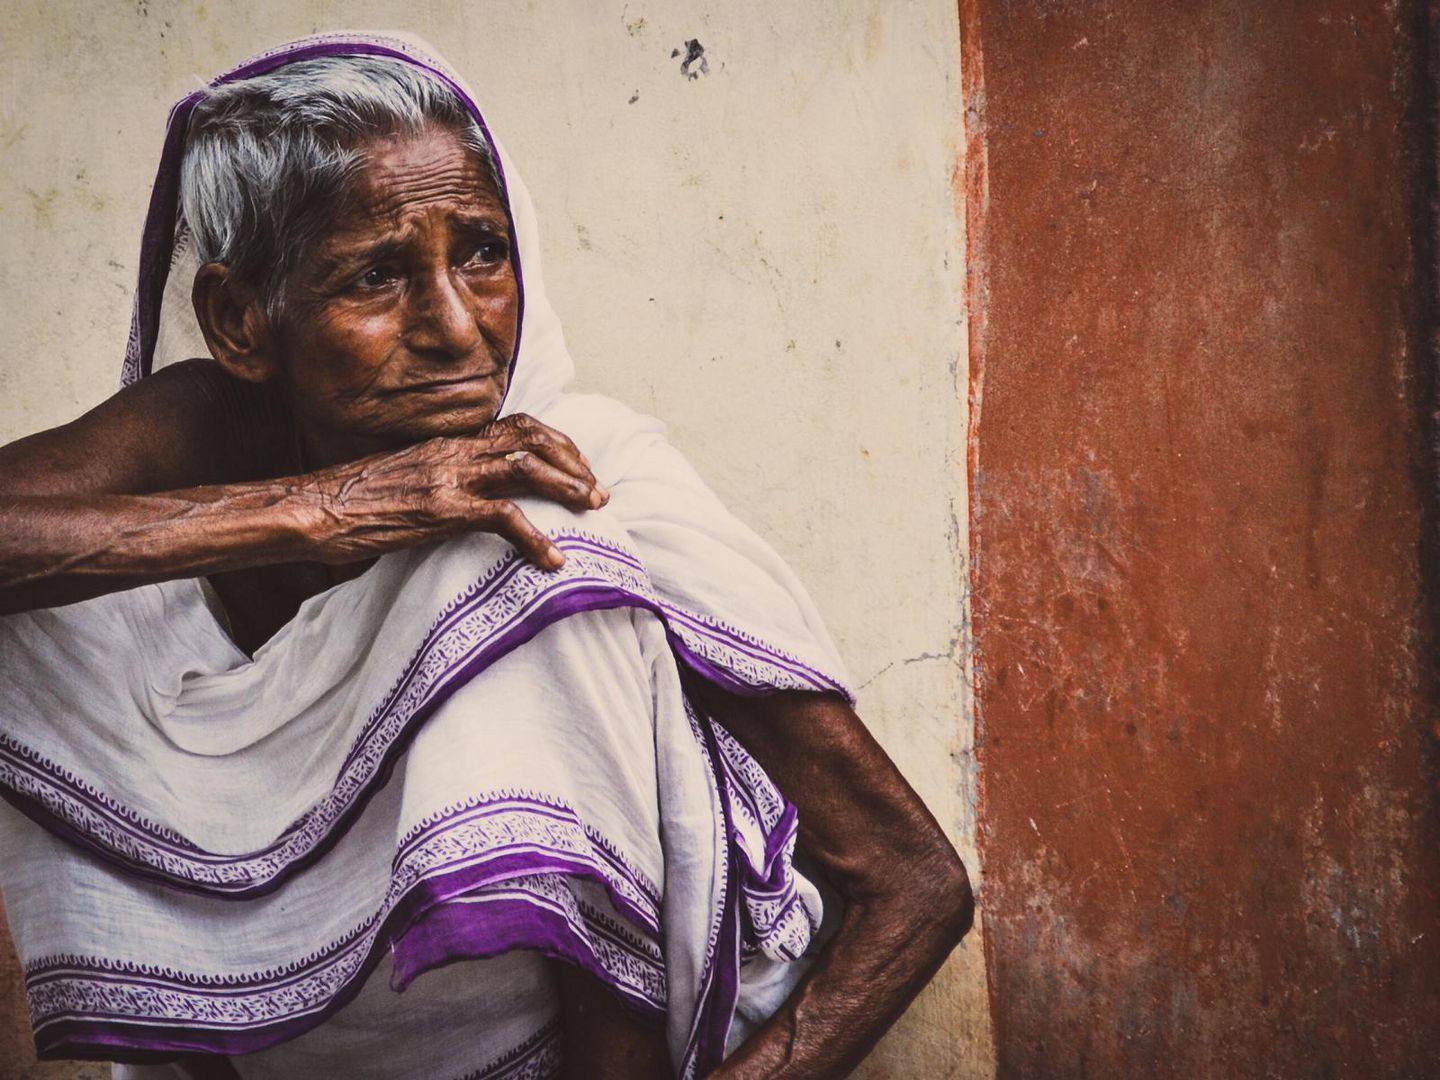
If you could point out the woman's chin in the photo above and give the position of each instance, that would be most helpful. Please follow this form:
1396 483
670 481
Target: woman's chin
469 419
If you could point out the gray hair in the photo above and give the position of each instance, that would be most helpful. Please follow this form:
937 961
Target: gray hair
269 158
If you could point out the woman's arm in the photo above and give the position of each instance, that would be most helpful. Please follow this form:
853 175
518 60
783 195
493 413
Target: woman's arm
907 896
178 476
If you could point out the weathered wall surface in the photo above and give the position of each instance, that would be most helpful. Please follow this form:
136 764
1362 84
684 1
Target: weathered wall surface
1205 659
766 256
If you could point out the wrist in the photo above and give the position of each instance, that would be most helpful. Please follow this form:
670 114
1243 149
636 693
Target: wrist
309 519
357 510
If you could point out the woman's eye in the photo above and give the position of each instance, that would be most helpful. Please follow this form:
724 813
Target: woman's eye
377 276
490 253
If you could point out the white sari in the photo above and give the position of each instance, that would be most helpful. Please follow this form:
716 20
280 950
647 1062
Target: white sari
452 757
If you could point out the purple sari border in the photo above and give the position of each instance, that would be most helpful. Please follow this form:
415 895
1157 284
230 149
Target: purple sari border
55 969
20 757
581 542
764 935
420 887
102 1038
720 977
430 893
542 1049
499 802
530 920
748 802
770 877
490 925
749 645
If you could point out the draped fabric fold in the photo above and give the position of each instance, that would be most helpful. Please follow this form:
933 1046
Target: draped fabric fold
453 757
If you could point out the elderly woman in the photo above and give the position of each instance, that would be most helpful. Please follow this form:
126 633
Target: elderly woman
333 666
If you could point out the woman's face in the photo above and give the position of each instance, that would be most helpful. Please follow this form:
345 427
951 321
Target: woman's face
400 323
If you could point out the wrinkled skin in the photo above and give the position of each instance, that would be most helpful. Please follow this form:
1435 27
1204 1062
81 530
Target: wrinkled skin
362 421
398 325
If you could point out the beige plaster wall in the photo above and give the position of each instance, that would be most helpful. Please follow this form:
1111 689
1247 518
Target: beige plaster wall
768 256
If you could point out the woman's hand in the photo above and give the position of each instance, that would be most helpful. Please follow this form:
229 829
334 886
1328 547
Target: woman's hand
450 485
184 474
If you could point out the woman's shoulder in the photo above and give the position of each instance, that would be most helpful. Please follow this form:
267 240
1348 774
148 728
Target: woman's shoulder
188 424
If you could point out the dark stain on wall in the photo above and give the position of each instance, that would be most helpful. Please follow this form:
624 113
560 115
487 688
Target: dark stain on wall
1202 342
694 64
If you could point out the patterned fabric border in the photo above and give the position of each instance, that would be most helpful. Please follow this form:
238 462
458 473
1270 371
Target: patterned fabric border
781 925
542 914
520 822
528 846
745 659
537 1058
720 975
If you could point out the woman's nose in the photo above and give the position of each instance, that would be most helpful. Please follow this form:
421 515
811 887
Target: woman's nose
443 320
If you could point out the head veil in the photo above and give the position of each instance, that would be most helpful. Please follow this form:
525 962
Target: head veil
129 723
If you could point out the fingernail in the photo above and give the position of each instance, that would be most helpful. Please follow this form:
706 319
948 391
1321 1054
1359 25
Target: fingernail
602 491
597 498
555 557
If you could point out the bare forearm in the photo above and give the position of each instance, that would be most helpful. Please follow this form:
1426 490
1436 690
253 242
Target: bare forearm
63 547
59 550
883 954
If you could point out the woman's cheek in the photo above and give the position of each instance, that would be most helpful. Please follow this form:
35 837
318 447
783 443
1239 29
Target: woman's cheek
355 350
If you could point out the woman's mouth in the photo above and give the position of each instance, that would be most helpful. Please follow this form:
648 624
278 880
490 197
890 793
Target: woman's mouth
459 384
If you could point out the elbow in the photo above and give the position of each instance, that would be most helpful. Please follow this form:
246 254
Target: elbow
946 893
923 887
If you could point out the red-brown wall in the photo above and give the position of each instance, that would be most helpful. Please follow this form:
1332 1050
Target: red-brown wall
1200 249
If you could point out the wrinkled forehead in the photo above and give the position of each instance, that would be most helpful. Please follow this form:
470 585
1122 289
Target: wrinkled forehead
426 185
399 173
458 157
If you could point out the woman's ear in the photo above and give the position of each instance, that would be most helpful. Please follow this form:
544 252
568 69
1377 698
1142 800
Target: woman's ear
234 323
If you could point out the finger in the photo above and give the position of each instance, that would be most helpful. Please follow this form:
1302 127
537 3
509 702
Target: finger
554 446
504 518
521 472
522 432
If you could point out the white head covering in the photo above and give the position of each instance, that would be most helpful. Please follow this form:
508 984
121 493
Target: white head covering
453 756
